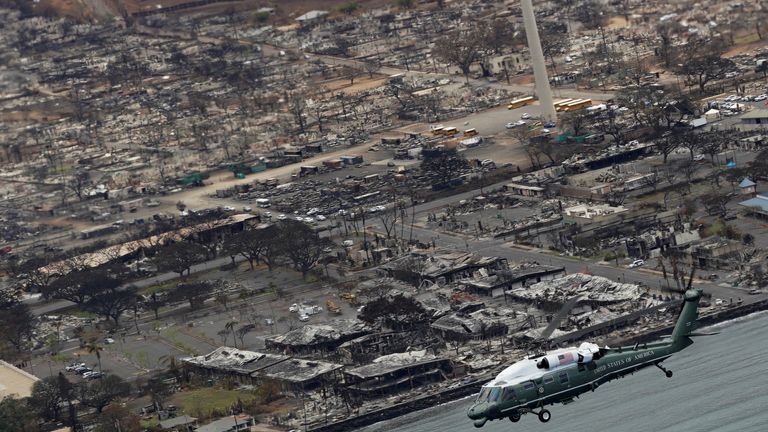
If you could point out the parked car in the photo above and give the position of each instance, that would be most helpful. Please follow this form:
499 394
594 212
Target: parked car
73 366
320 217
303 317
525 116
93 375
636 263
228 209
247 209
109 341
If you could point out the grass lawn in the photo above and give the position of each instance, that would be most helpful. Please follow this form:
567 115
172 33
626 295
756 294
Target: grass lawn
165 286
150 423
202 402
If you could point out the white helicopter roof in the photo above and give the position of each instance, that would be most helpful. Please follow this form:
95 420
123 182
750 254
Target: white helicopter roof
526 369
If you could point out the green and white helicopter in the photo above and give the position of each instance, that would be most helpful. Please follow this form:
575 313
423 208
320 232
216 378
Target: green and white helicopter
561 375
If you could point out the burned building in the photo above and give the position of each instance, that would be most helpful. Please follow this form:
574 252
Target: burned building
317 338
397 372
368 347
250 367
516 276
231 363
440 267
481 324
299 375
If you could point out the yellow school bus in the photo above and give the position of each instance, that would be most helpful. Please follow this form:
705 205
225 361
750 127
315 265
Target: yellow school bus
517 103
559 105
578 104
470 132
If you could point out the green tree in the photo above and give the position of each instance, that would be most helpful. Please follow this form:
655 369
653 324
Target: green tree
46 398
17 324
398 312
16 415
348 8
180 257
99 393
444 166
301 245
94 347
194 292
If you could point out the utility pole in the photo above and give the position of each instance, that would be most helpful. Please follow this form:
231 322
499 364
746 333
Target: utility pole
543 91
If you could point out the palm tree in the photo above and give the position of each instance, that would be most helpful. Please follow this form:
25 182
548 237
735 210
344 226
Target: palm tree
94 348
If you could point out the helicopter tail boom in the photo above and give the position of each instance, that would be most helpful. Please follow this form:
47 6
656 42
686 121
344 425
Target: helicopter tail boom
687 321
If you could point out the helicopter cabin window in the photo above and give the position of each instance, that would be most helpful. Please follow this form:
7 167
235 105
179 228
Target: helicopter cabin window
548 379
528 385
563 377
508 394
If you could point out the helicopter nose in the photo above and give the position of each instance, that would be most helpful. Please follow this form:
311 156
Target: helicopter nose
476 412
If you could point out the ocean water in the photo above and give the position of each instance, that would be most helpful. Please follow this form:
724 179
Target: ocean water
720 383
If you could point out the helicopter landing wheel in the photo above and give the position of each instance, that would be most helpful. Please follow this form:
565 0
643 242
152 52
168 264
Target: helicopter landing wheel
544 416
666 371
515 417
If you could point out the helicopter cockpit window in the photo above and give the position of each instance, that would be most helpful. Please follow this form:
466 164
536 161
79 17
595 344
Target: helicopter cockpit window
495 393
483 396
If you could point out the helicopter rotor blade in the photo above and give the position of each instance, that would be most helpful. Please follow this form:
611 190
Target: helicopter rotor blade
561 314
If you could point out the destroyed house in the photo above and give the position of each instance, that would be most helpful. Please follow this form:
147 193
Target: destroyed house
479 325
232 363
518 276
368 347
296 375
314 338
589 289
249 367
441 267
397 372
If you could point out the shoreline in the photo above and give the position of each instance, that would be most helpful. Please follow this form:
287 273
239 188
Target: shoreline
461 391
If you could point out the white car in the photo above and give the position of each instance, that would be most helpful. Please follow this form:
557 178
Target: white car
303 317
74 366
320 217
525 116
300 219
247 209
228 209
282 217
636 263
109 341
268 215
309 220
760 98
294 308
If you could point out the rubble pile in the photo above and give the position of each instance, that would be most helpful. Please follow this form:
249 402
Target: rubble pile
590 288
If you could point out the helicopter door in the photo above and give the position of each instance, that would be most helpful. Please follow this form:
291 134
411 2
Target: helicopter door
528 392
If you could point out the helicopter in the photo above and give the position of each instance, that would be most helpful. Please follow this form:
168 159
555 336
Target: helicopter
561 375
